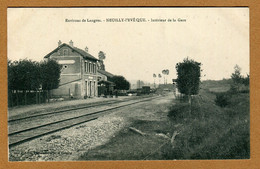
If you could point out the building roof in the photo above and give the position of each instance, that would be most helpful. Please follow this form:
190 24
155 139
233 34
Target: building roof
83 53
105 73
106 82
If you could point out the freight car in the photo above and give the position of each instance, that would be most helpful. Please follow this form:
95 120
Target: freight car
144 90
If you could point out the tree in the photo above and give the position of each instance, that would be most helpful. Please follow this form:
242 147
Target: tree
238 79
159 76
164 73
236 76
188 79
101 57
11 82
25 76
120 82
154 76
50 75
11 75
246 80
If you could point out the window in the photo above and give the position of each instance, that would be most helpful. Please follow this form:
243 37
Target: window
89 64
90 67
95 68
64 67
65 52
86 66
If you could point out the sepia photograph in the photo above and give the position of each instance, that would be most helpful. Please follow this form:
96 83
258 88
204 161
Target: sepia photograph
128 83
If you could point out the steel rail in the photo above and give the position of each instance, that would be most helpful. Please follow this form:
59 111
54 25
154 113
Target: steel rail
96 114
71 109
60 111
46 133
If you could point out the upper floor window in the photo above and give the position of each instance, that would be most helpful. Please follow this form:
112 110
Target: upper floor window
65 52
95 68
89 67
86 66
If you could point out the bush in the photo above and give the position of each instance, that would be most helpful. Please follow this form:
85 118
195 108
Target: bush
233 89
222 99
179 110
244 91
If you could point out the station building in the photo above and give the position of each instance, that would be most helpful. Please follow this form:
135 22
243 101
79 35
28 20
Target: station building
79 77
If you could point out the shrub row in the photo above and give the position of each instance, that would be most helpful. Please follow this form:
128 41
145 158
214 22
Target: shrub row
25 76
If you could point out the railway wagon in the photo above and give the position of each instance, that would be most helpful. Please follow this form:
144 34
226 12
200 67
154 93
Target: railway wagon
146 90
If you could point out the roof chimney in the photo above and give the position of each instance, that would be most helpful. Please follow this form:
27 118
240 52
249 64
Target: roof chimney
71 43
86 49
59 43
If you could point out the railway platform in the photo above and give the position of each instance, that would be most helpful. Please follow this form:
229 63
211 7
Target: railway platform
56 105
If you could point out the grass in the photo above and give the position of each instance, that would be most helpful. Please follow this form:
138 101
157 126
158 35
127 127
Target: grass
128 145
210 131
207 132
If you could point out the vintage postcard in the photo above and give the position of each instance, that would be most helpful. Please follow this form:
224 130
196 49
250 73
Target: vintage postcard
128 83
91 84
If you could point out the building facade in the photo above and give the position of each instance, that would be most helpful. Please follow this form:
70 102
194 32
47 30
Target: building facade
79 78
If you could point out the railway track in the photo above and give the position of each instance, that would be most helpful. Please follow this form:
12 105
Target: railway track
23 135
15 119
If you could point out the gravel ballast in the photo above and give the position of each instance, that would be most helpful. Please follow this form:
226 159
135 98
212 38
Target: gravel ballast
70 144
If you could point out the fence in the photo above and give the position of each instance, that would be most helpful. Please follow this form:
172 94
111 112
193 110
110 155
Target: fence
17 97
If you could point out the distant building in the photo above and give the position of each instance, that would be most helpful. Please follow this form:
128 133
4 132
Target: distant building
79 77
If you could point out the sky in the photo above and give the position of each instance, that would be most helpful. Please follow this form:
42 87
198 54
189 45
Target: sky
216 37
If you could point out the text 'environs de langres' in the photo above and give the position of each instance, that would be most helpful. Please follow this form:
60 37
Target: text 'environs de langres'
83 20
